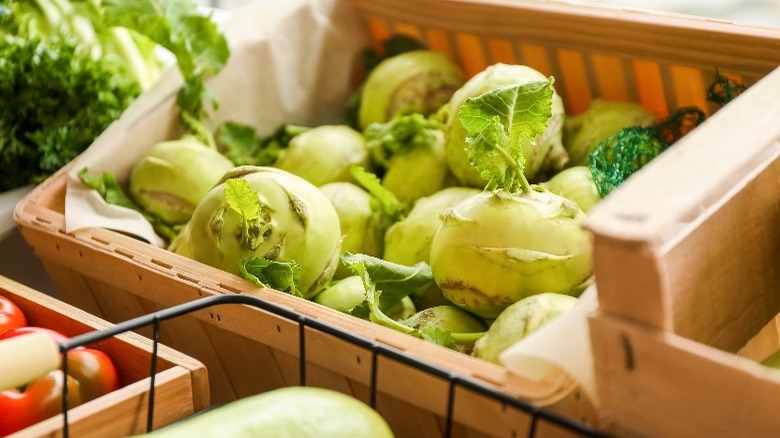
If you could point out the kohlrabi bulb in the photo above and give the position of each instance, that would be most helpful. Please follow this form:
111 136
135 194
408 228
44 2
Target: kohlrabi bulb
518 321
173 176
495 248
575 183
296 222
451 318
581 133
325 154
464 327
546 155
349 292
419 172
419 80
408 241
359 225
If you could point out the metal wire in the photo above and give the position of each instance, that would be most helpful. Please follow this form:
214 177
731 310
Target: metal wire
376 349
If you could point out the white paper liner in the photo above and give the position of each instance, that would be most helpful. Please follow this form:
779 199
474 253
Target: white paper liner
564 342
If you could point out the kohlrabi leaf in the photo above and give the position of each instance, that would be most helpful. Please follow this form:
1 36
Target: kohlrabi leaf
395 281
243 146
112 192
386 201
362 311
357 264
239 143
438 335
282 276
499 123
243 199
405 132
193 38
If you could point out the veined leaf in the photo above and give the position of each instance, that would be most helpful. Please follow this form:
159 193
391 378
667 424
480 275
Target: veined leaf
282 276
498 123
394 280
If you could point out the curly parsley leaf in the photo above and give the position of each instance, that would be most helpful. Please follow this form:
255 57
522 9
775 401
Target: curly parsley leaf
56 99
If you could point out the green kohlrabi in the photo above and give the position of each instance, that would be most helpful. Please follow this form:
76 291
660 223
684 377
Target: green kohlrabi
172 177
359 223
575 183
408 153
386 282
347 294
519 320
513 240
324 154
448 325
419 81
267 213
408 241
543 155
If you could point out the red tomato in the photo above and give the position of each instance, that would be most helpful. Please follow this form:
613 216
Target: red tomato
94 371
40 400
91 373
11 316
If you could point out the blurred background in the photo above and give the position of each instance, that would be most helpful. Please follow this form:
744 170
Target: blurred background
745 11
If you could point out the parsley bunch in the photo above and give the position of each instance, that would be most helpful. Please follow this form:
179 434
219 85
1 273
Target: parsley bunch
55 99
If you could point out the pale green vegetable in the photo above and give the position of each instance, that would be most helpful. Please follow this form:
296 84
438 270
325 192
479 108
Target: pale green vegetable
575 183
408 241
544 155
348 293
459 329
604 118
273 215
172 177
179 244
519 320
384 281
512 240
359 226
408 153
324 154
419 81
294 411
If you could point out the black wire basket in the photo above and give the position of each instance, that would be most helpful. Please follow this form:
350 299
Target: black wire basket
538 415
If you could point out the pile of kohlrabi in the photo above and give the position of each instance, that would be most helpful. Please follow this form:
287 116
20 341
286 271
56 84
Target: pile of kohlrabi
445 207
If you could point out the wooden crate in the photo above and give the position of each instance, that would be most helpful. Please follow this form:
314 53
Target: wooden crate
181 383
683 288
663 61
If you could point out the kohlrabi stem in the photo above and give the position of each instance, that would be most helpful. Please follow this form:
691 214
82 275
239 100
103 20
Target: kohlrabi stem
517 167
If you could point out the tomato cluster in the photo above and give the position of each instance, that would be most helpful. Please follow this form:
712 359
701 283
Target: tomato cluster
91 373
